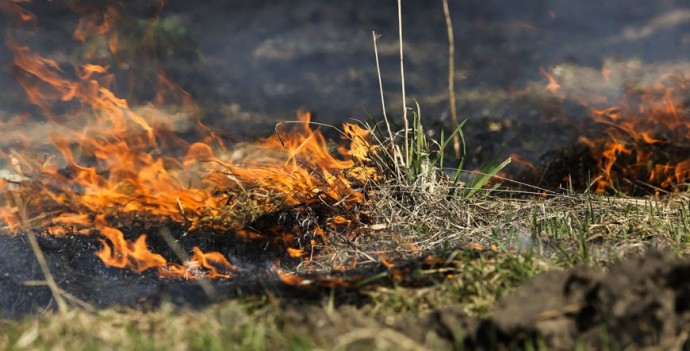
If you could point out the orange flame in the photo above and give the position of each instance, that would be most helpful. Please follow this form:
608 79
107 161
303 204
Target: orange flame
296 179
137 257
553 87
645 137
127 254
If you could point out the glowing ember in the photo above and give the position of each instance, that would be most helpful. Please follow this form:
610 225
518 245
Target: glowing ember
123 165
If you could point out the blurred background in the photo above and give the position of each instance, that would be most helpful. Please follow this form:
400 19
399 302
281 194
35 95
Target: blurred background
250 64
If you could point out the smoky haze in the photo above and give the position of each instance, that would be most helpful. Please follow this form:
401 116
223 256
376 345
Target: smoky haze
269 58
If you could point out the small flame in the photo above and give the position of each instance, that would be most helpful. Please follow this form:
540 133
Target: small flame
126 254
553 87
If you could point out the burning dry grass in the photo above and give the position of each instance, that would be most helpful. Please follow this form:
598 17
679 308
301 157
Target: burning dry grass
482 246
639 135
113 166
293 190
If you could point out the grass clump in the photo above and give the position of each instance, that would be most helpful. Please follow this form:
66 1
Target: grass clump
231 325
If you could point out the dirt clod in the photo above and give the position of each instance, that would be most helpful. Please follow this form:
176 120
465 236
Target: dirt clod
641 302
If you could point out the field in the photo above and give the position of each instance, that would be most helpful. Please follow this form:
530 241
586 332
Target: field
561 221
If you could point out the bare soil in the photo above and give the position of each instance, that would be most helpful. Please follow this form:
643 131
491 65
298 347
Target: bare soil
637 303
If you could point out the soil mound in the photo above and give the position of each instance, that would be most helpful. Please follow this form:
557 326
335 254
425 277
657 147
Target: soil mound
639 303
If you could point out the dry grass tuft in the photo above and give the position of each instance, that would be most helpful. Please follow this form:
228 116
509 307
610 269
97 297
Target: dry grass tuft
565 229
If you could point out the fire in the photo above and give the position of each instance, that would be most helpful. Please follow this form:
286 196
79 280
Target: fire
126 254
553 87
644 136
98 24
295 178
118 164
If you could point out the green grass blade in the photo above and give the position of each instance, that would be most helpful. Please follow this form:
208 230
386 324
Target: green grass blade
482 178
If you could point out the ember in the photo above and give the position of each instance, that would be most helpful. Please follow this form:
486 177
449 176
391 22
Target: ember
123 165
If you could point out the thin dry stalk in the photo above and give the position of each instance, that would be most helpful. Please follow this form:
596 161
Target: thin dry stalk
69 297
42 263
402 84
451 77
378 72
182 256
383 103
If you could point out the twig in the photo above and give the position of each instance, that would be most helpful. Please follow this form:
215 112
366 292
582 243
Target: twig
383 105
378 72
205 285
75 300
451 77
340 131
36 248
402 84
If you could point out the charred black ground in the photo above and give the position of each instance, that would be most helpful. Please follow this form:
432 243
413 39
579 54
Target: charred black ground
79 273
